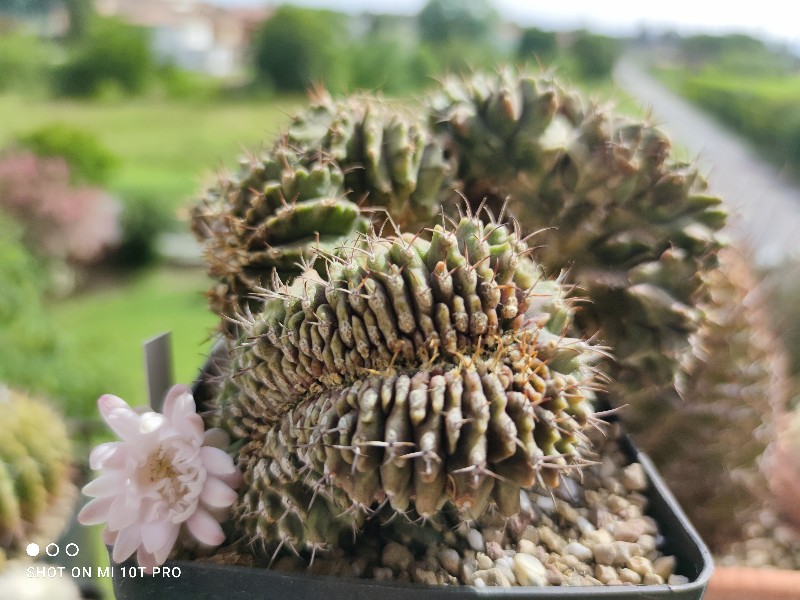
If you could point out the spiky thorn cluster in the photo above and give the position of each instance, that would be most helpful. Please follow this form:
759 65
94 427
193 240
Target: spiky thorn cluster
419 373
633 226
389 157
268 221
36 493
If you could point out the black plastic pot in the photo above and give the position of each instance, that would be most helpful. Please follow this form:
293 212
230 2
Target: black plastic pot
197 580
191 580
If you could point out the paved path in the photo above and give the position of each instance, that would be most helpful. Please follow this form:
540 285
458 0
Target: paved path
765 207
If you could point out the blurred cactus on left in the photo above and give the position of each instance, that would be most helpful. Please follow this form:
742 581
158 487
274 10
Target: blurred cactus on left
36 492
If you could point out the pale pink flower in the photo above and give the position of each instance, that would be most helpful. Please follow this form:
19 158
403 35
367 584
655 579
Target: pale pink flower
165 472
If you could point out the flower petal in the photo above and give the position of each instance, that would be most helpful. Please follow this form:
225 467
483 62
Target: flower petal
162 553
108 402
95 512
147 560
125 423
176 401
124 511
109 537
156 534
191 428
217 494
216 461
127 542
110 455
205 528
105 485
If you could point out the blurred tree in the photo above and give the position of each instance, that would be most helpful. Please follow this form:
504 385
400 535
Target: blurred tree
442 21
537 44
298 47
594 54
113 53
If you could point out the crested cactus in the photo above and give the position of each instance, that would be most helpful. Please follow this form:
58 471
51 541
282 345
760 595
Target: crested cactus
390 158
35 489
634 228
269 220
418 372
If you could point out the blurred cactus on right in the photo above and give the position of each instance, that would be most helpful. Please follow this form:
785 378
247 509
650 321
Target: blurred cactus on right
735 381
36 492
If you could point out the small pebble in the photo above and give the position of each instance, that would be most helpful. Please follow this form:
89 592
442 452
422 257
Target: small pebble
382 574
629 576
484 562
652 579
526 546
640 564
493 576
450 560
494 550
664 566
605 573
677 580
604 554
475 540
579 551
529 570
424 576
552 540
634 478
396 556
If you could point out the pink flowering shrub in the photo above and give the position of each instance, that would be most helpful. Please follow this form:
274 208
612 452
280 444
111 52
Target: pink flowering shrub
61 221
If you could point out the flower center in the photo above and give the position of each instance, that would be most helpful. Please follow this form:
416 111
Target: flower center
159 466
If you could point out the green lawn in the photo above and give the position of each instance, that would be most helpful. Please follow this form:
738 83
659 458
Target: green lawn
108 327
166 148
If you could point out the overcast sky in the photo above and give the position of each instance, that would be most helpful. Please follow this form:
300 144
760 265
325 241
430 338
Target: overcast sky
767 18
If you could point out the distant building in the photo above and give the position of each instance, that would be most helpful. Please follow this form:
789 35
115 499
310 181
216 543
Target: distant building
190 34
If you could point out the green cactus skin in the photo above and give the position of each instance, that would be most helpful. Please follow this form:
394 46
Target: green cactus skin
634 228
420 373
267 222
390 159
35 489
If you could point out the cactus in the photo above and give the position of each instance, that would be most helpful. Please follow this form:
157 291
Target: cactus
267 221
633 227
418 372
35 489
390 158
734 382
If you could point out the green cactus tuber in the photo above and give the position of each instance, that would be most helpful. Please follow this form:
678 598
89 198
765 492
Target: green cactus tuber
390 159
633 227
35 489
268 220
419 372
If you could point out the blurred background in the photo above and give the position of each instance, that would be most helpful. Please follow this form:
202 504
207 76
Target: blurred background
114 114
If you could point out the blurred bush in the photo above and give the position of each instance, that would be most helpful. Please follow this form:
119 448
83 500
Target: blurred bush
143 219
537 44
113 55
594 54
88 159
298 47
61 222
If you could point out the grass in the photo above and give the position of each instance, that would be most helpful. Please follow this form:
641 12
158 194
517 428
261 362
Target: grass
166 147
109 326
